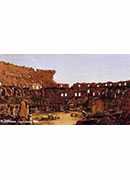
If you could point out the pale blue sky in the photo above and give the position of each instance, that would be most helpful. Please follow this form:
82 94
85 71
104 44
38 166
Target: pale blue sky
78 68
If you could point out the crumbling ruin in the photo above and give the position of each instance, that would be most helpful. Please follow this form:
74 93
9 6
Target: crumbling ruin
18 76
43 94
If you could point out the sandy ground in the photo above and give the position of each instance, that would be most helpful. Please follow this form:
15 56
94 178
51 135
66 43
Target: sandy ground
65 119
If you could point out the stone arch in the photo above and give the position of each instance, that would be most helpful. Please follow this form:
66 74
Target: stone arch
18 91
4 91
10 91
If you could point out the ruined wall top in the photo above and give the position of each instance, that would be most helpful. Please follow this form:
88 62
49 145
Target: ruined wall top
11 74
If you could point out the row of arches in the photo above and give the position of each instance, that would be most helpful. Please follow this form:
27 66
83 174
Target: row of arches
11 91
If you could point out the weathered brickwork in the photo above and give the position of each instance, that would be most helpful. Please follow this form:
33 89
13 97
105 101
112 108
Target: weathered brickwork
61 97
13 75
39 90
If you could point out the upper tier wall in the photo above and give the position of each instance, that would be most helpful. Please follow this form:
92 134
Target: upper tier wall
11 74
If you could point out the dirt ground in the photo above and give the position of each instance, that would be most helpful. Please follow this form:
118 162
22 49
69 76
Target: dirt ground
64 119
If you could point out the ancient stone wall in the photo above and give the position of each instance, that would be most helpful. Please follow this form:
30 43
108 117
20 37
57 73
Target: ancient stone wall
39 88
13 75
61 97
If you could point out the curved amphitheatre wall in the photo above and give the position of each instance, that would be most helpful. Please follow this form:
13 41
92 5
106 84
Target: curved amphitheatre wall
14 75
